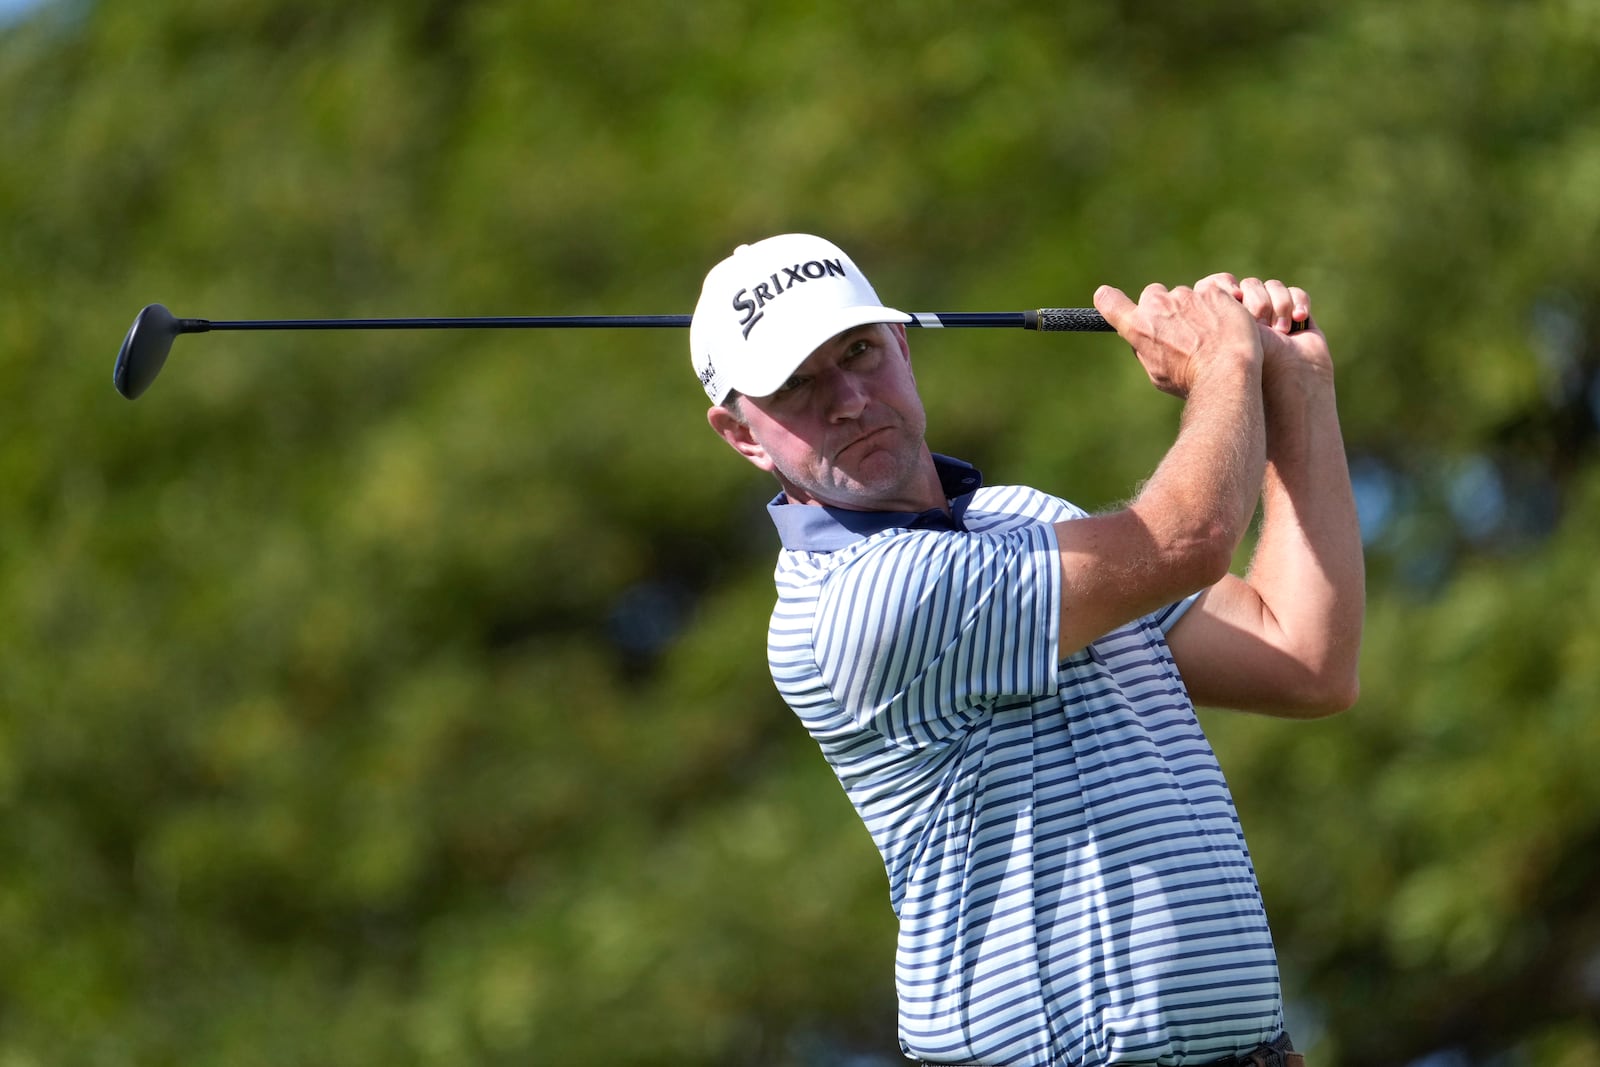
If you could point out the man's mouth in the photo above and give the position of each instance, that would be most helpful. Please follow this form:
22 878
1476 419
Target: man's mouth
863 439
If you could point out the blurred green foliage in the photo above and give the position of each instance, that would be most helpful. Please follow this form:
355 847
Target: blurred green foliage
399 698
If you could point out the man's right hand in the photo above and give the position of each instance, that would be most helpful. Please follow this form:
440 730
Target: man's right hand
1178 335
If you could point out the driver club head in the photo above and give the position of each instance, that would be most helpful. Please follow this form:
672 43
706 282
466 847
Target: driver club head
144 350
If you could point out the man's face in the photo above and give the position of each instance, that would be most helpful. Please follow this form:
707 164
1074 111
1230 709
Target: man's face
846 429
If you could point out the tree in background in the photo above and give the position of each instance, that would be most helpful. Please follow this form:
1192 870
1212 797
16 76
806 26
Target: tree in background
400 697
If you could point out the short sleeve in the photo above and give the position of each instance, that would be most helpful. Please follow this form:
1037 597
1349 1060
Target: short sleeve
925 631
1168 617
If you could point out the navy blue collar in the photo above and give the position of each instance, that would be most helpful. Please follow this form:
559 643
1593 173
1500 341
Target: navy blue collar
809 528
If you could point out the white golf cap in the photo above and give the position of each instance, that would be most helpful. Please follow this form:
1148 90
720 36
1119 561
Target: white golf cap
768 306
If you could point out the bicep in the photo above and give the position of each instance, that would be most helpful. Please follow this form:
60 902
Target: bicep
1231 653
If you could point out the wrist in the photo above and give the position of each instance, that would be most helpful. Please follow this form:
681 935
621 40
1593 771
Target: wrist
1286 379
1230 365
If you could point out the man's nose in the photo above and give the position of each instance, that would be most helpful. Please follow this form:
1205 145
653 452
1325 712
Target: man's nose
846 396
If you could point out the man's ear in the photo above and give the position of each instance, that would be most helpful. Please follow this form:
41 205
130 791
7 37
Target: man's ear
736 432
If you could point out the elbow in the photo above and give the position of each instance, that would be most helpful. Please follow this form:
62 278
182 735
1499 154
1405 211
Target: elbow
1340 674
1316 683
1194 551
1328 692
1331 698
1208 555
1348 693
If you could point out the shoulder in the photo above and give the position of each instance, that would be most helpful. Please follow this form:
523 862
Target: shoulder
885 548
996 506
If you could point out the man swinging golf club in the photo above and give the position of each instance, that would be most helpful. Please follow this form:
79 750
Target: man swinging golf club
1005 685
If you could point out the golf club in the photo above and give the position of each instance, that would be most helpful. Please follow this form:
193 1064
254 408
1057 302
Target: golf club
144 351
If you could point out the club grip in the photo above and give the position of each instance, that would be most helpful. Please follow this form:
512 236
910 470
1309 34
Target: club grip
1084 320
1068 320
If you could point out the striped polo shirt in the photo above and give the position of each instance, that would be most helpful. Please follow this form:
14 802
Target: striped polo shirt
1064 858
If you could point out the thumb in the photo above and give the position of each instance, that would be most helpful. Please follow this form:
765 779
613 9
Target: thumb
1114 305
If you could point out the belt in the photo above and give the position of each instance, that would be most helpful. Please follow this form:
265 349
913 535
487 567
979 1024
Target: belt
1278 1052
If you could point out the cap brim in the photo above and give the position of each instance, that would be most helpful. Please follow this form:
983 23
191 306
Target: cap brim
799 341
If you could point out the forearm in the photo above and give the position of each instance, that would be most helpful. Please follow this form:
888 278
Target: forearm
1307 567
1179 534
1204 492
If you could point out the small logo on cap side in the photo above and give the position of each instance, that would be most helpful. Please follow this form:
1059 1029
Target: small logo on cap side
754 299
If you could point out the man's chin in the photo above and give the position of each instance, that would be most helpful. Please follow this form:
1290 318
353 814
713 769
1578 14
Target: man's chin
858 492
876 480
